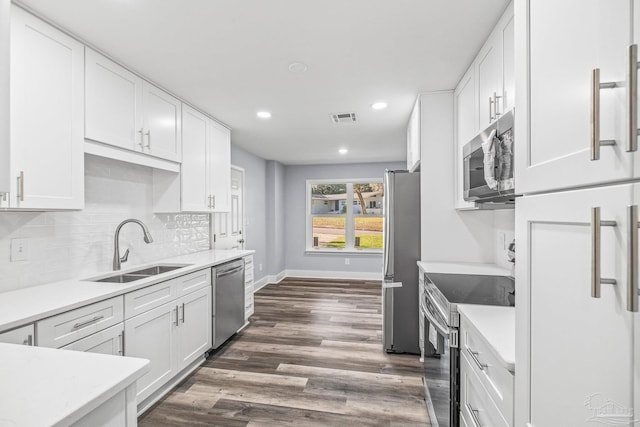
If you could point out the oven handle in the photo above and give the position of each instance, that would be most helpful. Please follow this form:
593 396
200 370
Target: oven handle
442 330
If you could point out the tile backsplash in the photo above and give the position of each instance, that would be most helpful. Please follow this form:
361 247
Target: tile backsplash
62 245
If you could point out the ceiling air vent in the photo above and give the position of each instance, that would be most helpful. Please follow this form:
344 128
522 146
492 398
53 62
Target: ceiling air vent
343 117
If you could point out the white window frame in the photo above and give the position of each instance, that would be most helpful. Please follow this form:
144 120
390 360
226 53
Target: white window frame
349 216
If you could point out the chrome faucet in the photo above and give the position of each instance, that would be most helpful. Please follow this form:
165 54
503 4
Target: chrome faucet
117 261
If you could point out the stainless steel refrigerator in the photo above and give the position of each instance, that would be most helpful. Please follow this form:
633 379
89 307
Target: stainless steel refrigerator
401 253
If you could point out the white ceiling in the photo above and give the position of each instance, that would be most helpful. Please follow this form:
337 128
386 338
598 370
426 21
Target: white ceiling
231 57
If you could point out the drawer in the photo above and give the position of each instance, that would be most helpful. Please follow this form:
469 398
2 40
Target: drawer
248 261
496 379
109 341
248 275
145 299
475 404
58 331
193 281
22 335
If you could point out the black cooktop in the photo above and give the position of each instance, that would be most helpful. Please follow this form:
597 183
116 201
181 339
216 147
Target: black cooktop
475 289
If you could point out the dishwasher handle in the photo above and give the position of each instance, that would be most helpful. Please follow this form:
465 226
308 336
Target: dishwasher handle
222 273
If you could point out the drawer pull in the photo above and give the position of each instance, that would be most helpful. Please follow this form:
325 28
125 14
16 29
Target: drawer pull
474 356
88 322
474 415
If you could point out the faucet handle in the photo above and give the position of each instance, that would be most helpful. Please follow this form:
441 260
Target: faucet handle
125 257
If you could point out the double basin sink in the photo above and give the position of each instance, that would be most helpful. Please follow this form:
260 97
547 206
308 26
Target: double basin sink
143 273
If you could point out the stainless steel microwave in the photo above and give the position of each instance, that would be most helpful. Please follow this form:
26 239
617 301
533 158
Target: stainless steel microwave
488 164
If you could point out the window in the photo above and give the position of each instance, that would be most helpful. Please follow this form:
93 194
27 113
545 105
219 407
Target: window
345 215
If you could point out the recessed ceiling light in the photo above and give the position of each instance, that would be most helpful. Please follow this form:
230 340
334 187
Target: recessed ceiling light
298 67
343 151
379 105
264 114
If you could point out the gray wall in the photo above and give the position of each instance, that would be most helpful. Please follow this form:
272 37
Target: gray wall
255 206
275 217
295 217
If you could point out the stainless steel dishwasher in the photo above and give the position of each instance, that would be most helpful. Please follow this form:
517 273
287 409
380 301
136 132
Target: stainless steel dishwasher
228 300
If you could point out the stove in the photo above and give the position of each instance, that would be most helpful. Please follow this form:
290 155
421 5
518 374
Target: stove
442 292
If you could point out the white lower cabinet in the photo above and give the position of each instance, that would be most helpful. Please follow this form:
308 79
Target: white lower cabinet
248 287
152 335
171 336
22 335
108 341
575 329
476 407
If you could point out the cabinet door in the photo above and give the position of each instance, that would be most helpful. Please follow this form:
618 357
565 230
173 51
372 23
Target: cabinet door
5 37
553 108
152 335
574 351
195 326
413 137
508 65
466 127
489 74
110 341
47 90
193 171
23 335
219 167
162 120
113 103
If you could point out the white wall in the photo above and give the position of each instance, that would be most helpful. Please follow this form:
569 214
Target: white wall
295 218
64 245
447 234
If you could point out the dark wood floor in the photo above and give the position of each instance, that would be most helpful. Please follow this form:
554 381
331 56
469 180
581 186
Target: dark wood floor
311 356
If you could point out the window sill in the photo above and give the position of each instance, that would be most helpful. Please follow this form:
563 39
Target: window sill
342 252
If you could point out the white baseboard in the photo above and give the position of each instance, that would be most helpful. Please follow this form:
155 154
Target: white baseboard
277 278
323 274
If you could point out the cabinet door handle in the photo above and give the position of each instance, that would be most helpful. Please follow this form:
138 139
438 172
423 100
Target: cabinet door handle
632 261
148 134
21 186
474 356
88 322
496 113
29 340
596 279
121 339
141 143
182 312
490 107
474 415
632 97
596 142
213 202
177 319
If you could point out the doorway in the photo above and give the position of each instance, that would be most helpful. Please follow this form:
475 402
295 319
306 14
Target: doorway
228 230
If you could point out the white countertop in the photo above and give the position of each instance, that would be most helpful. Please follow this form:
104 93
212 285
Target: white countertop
463 268
497 325
45 386
23 306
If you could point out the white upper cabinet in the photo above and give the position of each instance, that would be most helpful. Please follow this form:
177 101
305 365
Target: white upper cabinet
219 168
47 116
205 172
112 106
194 173
557 51
124 111
466 127
5 30
413 138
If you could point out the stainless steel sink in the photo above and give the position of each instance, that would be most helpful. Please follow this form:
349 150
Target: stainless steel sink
122 278
156 269
143 273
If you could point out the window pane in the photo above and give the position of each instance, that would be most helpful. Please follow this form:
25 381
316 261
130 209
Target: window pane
367 198
329 199
368 232
328 232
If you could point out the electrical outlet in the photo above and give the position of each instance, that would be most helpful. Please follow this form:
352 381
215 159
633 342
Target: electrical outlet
347 261
19 250
259 267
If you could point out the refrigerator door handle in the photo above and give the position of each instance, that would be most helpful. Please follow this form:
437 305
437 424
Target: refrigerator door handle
386 285
388 225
